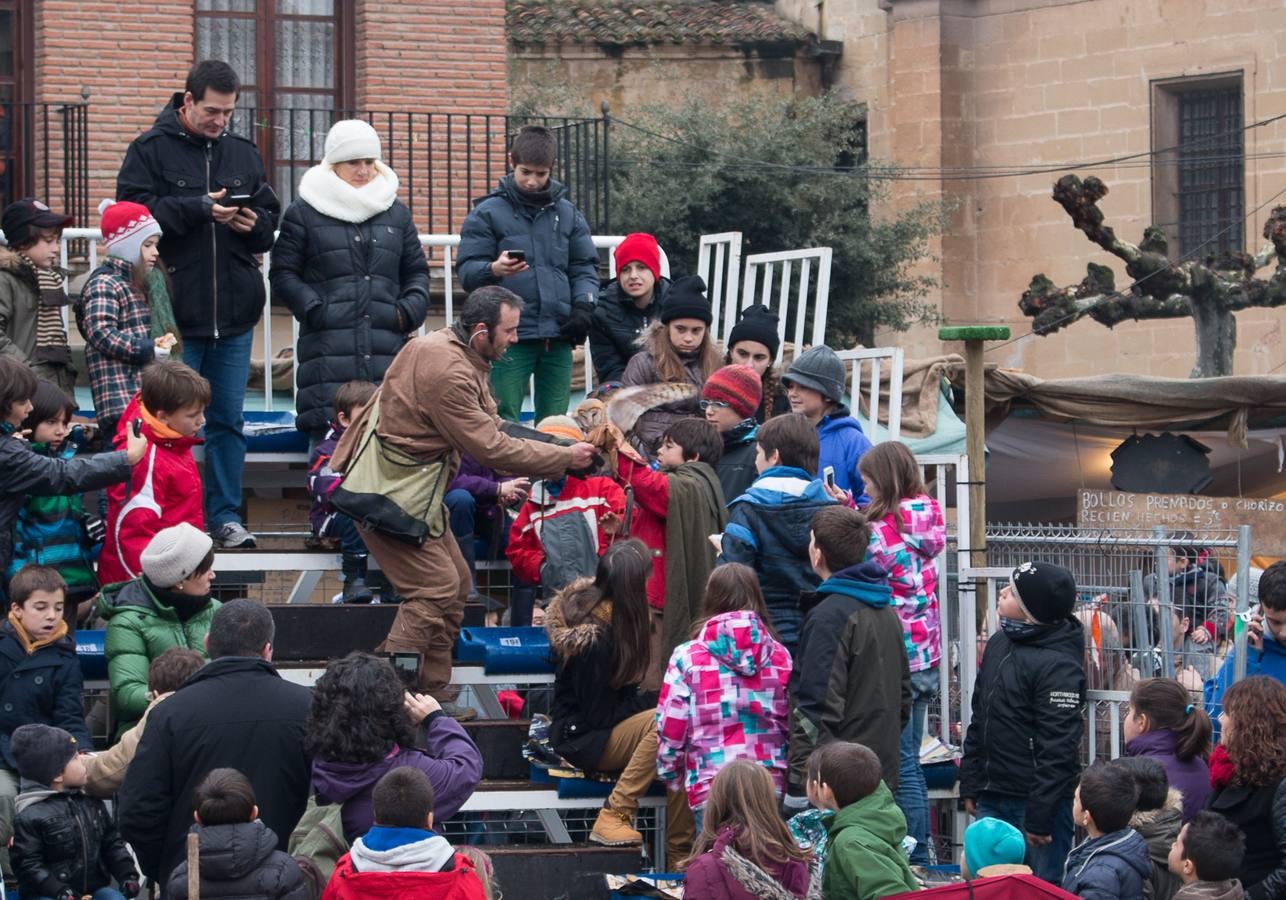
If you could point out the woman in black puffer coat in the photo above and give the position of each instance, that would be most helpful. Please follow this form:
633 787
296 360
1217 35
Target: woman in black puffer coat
349 264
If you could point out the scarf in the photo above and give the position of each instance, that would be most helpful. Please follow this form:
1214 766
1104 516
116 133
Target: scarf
185 606
1222 768
695 512
332 196
159 429
1017 628
160 309
30 646
51 334
534 199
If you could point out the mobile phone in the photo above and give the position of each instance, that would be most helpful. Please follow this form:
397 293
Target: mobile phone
407 665
828 475
519 255
137 425
242 200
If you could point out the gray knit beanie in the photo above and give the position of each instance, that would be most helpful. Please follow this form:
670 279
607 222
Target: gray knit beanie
174 554
819 369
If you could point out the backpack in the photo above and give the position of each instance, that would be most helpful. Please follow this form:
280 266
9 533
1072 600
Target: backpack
318 842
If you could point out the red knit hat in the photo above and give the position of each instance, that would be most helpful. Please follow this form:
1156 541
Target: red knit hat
737 386
641 248
125 227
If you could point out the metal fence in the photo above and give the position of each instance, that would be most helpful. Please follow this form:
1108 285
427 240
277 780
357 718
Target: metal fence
1152 603
44 153
443 160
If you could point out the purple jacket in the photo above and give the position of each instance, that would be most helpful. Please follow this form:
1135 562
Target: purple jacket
450 759
1191 777
480 481
721 873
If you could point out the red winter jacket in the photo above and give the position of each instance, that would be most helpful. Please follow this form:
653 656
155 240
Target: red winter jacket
164 489
647 522
591 497
460 883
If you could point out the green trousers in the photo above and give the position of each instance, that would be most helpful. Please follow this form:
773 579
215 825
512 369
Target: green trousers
551 364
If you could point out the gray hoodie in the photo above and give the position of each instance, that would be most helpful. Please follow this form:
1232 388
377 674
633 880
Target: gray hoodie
382 850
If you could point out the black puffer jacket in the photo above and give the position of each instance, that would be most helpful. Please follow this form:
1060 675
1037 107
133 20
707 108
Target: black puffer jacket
1260 813
356 289
737 471
586 707
618 327
218 287
241 861
64 839
1025 735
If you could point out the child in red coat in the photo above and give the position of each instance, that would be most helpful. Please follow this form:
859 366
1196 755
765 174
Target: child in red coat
565 525
401 857
164 487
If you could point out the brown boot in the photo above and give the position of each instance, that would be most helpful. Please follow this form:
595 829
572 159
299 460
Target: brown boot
613 829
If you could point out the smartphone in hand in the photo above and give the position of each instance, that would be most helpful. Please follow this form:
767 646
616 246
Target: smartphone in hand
828 476
517 255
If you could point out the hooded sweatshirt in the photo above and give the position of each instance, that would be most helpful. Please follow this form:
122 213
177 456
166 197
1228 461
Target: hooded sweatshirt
723 698
1211 890
865 859
1111 867
403 864
907 542
855 685
1269 660
450 759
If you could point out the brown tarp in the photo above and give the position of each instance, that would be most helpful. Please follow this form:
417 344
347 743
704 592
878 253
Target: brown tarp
1121 401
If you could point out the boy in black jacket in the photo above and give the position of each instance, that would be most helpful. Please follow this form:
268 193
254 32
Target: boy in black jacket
856 684
1021 753
239 856
65 845
40 679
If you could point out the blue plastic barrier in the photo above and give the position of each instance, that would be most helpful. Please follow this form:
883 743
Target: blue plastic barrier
91 648
505 651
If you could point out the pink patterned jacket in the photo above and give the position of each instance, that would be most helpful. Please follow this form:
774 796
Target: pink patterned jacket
913 574
724 698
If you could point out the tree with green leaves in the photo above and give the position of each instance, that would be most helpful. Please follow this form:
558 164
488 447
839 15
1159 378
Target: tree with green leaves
788 175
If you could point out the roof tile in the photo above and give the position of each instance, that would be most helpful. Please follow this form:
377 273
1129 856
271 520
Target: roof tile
649 22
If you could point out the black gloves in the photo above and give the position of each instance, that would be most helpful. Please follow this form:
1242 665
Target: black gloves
576 328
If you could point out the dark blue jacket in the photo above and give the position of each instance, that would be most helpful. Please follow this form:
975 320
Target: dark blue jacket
1111 867
736 467
842 444
561 260
768 530
43 687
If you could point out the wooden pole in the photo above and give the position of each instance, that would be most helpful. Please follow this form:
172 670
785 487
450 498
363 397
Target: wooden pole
976 443
194 866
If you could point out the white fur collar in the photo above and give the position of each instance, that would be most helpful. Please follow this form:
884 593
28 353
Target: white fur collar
330 195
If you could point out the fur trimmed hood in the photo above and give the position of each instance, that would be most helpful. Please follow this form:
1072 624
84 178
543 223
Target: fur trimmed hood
760 883
576 618
10 261
1152 821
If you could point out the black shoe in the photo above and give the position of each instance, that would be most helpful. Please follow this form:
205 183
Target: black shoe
356 591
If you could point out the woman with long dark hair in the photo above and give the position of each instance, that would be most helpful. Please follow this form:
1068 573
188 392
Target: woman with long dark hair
601 721
363 723
1248 775
753 342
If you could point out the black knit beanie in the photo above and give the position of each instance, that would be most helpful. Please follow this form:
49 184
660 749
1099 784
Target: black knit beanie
758 323
1047 591
686 299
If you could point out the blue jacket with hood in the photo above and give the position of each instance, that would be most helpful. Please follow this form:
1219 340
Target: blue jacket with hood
768 530
1270 661
562 262
842 444
1111 867
856 685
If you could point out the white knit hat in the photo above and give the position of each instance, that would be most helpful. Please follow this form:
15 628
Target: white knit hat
174 553
351 139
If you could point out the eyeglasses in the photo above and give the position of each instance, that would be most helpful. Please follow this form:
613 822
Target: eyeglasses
714 404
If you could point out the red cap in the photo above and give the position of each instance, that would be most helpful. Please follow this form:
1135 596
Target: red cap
641 248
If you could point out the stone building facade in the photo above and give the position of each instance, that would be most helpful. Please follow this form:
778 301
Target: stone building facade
972 91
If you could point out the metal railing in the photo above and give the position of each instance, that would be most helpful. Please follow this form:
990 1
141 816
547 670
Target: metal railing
443 160
44 153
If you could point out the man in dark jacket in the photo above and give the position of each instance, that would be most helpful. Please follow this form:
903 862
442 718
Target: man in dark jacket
208 191
527 236
1021 753
857 684
236 712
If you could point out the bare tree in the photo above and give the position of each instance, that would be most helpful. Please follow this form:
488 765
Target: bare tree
1209 289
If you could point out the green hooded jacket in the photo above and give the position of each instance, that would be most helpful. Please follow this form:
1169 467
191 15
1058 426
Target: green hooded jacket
865 858
140 627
